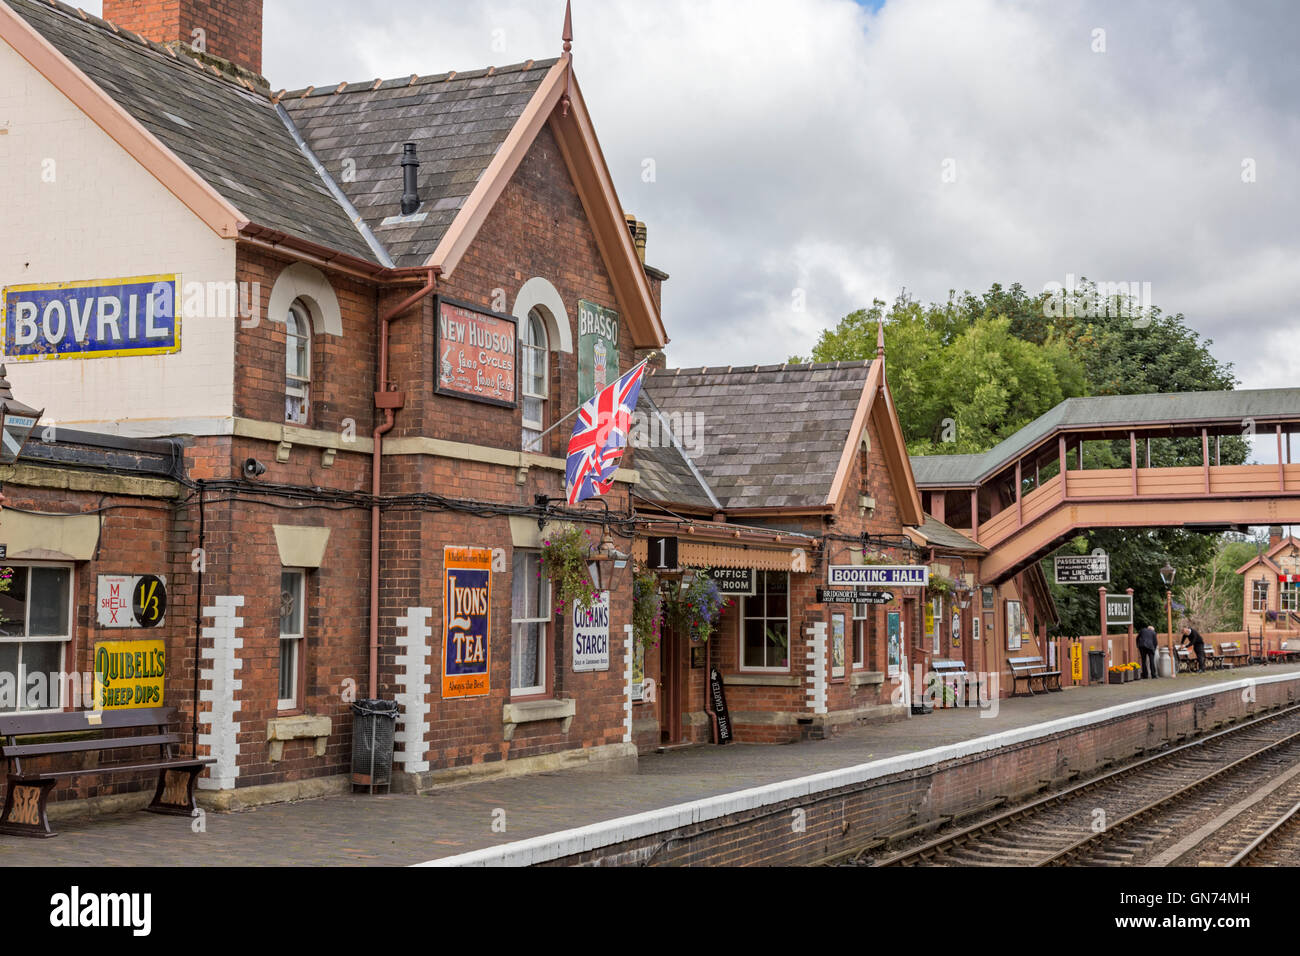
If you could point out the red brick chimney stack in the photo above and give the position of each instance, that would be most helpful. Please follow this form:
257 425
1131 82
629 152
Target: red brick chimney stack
230 29
1274 536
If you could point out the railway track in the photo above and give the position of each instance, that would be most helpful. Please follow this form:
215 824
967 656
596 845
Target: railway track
1279 845
1156 811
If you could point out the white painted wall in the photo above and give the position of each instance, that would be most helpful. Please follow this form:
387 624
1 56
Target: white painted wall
104 217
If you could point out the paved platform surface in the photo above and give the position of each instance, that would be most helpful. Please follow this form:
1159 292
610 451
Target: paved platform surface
401 829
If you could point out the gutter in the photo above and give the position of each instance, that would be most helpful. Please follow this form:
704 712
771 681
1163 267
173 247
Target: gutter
390 401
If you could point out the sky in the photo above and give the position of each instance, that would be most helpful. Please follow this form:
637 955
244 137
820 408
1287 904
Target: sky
796 159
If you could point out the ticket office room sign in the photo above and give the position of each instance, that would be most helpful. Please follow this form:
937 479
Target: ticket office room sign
98 318
467 621
129 674
476 354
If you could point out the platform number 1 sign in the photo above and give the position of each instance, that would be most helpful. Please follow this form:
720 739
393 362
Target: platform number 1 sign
661 553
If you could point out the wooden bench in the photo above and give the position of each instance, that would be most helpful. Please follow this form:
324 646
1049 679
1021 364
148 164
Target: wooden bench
1030 669
1231 654
87 733
1187 657
954 674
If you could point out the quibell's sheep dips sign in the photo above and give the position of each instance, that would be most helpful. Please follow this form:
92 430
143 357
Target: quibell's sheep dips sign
99 318
476 353
129 674
878 575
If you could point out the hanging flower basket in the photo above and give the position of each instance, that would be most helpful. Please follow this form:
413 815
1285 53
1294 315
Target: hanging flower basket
564 560
647 609
694 610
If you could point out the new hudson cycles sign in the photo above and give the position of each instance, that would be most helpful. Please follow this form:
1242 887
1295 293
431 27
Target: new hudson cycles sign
878 575
99 318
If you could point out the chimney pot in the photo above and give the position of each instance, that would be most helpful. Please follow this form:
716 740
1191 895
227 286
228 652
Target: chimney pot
410 180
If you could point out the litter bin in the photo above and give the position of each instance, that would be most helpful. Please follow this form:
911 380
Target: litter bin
1096 667
373 722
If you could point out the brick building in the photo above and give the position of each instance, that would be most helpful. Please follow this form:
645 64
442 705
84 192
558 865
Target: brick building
343 319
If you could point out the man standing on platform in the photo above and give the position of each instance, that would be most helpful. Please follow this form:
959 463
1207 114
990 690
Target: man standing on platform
1146 643
1193 637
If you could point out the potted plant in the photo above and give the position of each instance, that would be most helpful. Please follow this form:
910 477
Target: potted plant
647 608
694 609
565 555
1115 674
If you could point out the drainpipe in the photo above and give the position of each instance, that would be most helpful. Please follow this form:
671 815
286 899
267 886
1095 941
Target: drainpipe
389 402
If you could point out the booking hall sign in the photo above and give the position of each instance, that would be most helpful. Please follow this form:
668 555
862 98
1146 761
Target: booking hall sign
476 353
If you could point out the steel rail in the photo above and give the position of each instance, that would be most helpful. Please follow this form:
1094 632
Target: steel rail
965 835
1258 843
1113 830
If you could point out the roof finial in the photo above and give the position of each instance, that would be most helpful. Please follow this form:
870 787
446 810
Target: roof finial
568 26
566 100
880 337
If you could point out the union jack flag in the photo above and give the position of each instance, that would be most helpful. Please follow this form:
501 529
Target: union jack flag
600 436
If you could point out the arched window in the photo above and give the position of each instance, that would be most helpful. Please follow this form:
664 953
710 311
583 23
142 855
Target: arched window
535 378
297 365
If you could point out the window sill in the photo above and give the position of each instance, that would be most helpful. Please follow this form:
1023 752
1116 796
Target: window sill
862 678
531 711
300 727
763 680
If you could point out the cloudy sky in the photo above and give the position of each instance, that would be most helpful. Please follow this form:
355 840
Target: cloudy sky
825 152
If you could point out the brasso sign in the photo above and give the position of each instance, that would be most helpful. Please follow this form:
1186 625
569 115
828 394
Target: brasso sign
878 575
100 318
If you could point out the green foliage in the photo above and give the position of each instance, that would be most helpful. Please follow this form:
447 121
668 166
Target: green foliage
970 372
564 559
647 608
694 610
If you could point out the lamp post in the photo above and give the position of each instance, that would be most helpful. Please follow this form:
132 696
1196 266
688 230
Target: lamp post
1167 576
19 421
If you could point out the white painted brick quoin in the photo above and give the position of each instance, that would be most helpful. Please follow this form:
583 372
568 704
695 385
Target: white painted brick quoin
222 736
409 748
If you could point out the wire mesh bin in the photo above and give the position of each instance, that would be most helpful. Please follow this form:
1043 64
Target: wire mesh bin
373 722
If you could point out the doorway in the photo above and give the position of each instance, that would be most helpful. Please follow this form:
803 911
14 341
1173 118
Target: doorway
670 687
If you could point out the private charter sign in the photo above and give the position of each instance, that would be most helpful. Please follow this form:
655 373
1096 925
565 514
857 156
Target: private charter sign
878 575
98 318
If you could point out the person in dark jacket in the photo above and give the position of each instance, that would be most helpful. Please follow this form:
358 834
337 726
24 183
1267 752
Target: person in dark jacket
1147 648
1193 637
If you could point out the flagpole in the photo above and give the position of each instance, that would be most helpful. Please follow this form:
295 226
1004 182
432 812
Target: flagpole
536 442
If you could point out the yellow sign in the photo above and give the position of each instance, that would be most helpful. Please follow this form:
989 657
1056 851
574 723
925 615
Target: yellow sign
1076 661
129 674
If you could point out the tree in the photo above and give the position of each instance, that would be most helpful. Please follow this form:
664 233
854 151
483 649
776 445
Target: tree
973 370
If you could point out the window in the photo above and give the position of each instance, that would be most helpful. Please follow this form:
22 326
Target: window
35 624
292 624
862 633
1290 596
1259 597
530 614
534 378
297 365
765 623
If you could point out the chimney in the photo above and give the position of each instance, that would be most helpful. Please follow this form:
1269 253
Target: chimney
229 29
638 231
1274 537
410 180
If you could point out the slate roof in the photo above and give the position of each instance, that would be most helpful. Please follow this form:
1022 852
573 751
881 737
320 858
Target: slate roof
939 535
458 122
667 474
229 135
237 140
1105 410
772 435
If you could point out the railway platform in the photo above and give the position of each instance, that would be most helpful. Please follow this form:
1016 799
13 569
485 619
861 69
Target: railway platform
515 819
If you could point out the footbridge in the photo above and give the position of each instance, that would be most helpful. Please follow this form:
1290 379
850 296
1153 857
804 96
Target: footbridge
1122 461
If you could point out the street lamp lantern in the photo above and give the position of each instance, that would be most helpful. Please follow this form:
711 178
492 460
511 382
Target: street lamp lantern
19 421
1167 574
963 598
